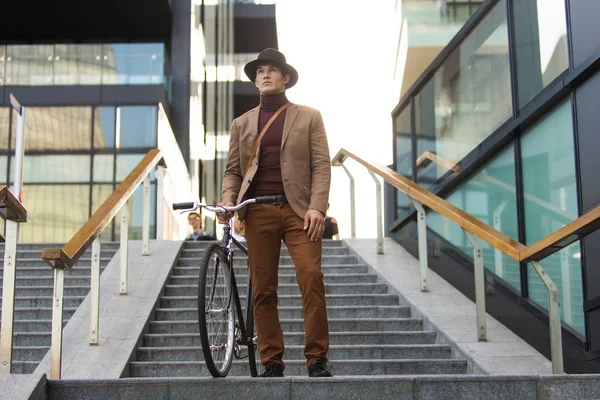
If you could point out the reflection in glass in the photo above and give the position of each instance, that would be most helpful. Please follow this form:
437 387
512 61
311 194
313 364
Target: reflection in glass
103 168
540 43
29 65
55 168
99 194
489 196
4 127
126 163
104 127
133 63
76 64
55 212
136 214
58 128
3 171
137 127
468 97
403 160
550 203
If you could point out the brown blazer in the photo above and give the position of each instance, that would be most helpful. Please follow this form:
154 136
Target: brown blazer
305 162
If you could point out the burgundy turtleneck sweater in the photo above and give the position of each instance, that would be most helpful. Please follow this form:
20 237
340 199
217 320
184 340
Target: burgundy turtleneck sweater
267 180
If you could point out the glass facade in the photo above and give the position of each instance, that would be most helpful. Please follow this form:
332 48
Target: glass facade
84 64
470 139
74 158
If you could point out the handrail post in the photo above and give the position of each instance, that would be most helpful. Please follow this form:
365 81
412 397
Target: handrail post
57 323
554 315
422 230
95 292
8 296
565 268
146 216
479 285
124 249
160 174
352 203
379 214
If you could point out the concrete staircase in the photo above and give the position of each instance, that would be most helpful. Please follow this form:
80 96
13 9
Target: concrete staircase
33 299
372 332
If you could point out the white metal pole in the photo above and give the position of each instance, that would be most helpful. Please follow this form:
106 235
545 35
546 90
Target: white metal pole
422 230
379 200
146 217
352 203
160 175
19 153
57 321
124 249
479 285
554 315
566 286
95 292
8 296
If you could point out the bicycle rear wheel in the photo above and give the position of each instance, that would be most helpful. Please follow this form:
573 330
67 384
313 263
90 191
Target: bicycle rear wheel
216 311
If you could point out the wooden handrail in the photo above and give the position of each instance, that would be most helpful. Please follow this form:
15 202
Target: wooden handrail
499 240
577 229
70 253
10 207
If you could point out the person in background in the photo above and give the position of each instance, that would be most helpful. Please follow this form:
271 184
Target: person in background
331 228
197 233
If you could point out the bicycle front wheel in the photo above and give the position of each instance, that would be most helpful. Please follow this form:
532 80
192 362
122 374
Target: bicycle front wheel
216 311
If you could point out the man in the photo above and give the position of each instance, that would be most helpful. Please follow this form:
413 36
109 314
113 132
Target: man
292 160
197 233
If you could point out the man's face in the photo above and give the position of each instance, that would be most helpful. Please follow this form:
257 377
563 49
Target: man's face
194 221
270 80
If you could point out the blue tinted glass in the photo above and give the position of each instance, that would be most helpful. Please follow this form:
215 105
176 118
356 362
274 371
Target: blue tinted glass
137 127
104 127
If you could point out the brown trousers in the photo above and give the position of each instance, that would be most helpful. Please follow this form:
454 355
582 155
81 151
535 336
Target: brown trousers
266 226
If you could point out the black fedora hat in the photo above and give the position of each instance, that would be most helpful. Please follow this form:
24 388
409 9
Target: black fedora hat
272 56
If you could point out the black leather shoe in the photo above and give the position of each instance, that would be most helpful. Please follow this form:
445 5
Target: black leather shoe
272 370
318 369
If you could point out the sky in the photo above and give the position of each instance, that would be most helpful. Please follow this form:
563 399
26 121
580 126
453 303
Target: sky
344 51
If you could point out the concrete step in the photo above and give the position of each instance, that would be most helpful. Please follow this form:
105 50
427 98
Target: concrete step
30 313
24 367
333 312
333 288
46 271
298 368
46 302
29 353
243 261
45 291
295 300
240 270
31 338
204 244
38 262
297 325
49 281
328 250
297 338
296 352
35 325
27 254
284 279
39 246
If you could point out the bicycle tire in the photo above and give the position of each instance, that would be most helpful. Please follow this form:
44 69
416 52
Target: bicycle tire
216 312
255 364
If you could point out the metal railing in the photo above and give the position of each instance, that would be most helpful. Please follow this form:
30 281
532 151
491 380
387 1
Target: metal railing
475 230
89 234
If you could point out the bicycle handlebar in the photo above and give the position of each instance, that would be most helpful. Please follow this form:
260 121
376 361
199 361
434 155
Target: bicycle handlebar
194 205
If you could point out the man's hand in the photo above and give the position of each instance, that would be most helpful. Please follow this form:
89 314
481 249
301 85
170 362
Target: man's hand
224 217
314 221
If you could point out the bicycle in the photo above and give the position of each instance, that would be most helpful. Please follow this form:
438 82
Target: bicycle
221 336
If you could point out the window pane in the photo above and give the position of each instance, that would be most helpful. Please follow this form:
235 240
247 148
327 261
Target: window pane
55 212
470 94
489 196
541 44
29 65
76 64
133 64
136 213
4 127
54 168
99 194
137 127
103 168
3 171
550 203
58 128
403 158
126 163
104 127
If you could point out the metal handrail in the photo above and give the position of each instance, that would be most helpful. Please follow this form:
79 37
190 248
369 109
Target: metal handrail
475 230
89 235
